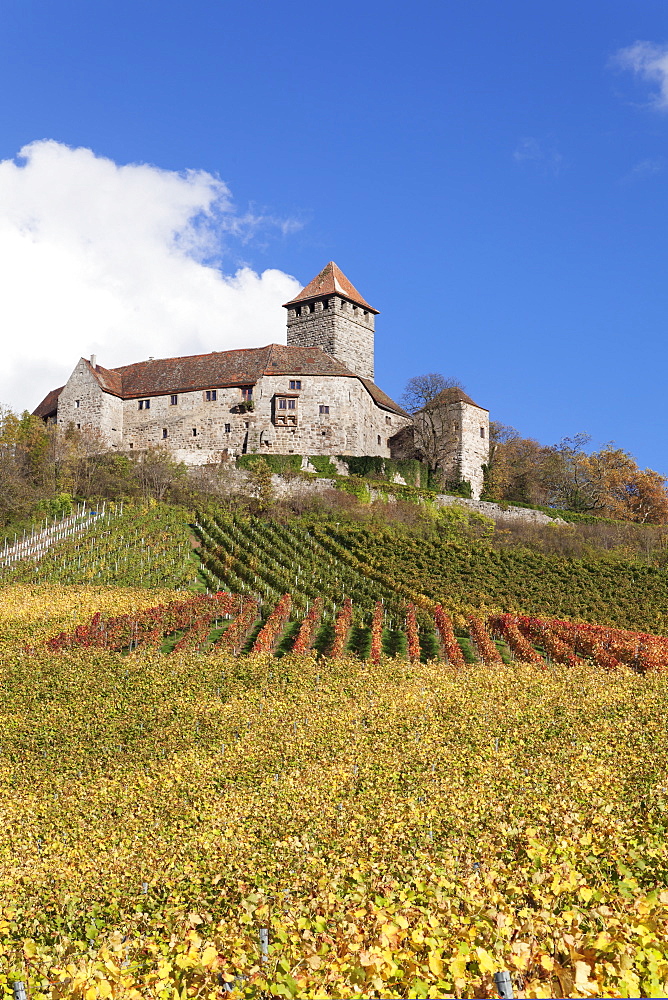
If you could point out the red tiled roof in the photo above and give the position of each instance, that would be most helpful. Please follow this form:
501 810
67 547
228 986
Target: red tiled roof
49 405
109 379
454 394
164 376
221 368
381 398
331 281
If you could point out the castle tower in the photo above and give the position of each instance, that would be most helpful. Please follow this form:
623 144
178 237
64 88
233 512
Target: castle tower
330 313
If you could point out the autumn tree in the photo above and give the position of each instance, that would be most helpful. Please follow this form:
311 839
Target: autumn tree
518 467
622 490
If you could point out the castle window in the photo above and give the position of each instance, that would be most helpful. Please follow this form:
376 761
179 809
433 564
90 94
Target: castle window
164 432
194 432
388 420
131 445
77 403
78 427
295 383
246 393
298 310
324 409
228 428
482 432
379 439
173 400
211 395
285 410
144 404
325 304
311 308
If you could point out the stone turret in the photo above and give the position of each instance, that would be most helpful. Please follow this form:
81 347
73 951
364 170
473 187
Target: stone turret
331 314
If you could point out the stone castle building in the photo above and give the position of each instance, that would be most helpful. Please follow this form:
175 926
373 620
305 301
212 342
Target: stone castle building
313 396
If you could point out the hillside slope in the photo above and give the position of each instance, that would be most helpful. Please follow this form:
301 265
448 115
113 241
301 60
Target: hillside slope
370 562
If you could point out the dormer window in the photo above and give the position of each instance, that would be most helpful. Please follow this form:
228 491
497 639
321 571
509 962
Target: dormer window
144 404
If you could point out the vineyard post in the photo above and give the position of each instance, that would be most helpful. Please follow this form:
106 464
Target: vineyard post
19 991
504 985
264 943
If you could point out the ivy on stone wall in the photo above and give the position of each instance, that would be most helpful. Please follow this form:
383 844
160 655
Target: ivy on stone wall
280 464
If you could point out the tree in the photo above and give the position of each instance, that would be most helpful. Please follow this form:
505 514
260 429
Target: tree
427 398
623 491
517 468
157 473
260 477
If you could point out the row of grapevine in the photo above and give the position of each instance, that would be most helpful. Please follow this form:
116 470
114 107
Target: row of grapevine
234 616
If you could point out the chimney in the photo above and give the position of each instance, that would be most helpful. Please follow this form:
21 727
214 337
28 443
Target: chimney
93 360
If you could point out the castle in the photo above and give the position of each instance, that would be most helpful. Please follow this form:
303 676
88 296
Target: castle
313 396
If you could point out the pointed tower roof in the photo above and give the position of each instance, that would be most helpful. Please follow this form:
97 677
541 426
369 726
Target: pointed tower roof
331 281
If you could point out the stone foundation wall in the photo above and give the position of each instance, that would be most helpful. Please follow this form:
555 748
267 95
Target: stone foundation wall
295 486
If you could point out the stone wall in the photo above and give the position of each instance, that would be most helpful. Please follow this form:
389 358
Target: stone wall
286 487
344 330
84 405
473 445
498 513
196 426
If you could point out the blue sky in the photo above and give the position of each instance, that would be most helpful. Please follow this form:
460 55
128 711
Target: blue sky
491 176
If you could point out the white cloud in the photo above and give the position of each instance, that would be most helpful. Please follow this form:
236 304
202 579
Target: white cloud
542 152
647 168
122 262
650 62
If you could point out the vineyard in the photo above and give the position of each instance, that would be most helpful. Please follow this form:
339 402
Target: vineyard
138 547
182 820
358 762
369 563
152 546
